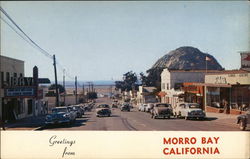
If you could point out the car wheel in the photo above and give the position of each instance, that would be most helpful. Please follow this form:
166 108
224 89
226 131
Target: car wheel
242 125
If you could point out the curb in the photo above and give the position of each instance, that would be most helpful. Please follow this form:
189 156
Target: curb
38 128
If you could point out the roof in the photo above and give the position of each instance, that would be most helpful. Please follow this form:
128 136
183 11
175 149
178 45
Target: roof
5 57
43 80
230 72
207 84
205 71
148 89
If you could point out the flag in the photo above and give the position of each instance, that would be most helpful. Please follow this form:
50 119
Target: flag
208 59
247 58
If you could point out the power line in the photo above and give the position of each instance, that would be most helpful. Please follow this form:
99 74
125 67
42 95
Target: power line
30 41
43 51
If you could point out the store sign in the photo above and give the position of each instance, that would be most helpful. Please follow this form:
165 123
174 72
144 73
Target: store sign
19 92
245 61
220 80
19 81
40 94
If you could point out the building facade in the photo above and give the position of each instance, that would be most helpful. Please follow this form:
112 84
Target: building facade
146 95
229 90
172 83
10 68
20 96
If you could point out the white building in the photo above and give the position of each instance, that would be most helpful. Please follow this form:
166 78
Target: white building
146 95
172 80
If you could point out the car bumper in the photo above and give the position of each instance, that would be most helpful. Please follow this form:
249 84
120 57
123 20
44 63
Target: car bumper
196 116
57 122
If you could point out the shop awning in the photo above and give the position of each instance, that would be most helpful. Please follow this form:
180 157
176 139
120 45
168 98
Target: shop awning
162 94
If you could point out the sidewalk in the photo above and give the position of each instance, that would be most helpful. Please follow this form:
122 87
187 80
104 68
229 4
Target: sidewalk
227 119
29 123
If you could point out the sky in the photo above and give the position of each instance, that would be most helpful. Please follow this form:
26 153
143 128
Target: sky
104 40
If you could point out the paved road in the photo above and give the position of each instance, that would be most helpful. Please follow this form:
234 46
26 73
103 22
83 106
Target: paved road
135 120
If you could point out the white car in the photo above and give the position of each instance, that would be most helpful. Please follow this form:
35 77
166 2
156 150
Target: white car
189 110
149 107
142 107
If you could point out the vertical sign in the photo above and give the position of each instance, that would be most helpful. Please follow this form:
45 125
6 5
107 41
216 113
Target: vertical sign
245 61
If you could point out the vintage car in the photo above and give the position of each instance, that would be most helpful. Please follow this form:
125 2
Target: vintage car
79 111
142 107
72 111
244 120
162 110
126 107
149 107
189 110
103 110
59 115
114 104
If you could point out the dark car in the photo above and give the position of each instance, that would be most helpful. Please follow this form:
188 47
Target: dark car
103 110
125 107
59 115
244 120
162 110
114 104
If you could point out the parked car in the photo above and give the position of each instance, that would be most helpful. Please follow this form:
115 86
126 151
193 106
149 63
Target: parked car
149 107
59 115
114 104
162 110
189 110
79 111
103 110
72 111
244 120
142 107
125 107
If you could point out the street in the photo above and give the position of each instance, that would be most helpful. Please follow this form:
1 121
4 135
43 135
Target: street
141 121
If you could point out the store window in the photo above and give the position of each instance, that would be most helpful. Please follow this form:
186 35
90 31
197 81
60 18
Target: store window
29 106
20 106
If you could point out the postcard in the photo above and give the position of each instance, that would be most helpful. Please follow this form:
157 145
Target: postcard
125 79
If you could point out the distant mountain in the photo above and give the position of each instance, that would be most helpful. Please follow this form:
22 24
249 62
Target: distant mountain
183 58
187 58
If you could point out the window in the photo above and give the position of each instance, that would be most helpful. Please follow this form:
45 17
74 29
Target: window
21 75
163 85
2 79
8 77
168 86
15 74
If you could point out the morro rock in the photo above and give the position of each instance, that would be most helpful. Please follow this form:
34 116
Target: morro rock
187 58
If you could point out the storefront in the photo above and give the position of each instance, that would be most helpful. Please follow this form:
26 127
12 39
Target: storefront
194 93
228 91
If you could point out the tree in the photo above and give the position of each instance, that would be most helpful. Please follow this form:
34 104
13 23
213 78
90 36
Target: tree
129 82
144 79
154 77
60 87
92 95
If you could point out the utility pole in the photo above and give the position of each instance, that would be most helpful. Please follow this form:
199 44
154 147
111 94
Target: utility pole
83 92
57 94
64 87
76 87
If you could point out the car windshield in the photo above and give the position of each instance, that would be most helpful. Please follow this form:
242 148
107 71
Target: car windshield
162 105
103 106
193 106
56 110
